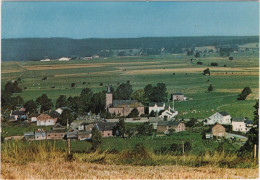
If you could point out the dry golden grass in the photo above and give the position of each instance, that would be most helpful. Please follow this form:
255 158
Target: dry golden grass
82 170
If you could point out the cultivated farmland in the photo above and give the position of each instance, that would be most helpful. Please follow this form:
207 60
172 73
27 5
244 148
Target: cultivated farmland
177 71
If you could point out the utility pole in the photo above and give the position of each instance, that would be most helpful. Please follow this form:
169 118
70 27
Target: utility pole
182 148
254 151
67 123
68 140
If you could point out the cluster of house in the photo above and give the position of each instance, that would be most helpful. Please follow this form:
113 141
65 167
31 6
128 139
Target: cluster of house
81 132
239 124
68 58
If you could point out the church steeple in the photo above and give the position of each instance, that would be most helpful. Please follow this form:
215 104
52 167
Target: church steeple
109 97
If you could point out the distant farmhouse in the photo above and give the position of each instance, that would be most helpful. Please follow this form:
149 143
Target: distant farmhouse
167 126
241 124
178 97
219 117
122 107
64 59
45 60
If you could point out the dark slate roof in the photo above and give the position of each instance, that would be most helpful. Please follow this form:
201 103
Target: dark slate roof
18 113
134 103
162 123
58 126
238 119
159 104
105 126
223 113
173 123
53 114
178 93
168 123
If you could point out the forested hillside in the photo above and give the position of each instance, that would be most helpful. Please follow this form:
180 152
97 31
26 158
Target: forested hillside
39 48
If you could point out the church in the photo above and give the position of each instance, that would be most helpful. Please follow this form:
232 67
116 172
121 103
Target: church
122 107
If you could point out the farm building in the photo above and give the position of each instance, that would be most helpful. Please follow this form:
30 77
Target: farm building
166 126
46 120
40 134
241 124
178 97
71 135
156 107
154 121
219 117
29 136
55 135
84 135
64 59
105 128
17 115
218 131
122 107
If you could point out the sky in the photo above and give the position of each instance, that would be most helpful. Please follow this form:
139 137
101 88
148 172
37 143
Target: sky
128 19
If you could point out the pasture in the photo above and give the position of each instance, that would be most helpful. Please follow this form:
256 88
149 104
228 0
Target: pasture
228 79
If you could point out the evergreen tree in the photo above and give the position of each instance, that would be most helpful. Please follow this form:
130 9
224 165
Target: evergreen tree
96 139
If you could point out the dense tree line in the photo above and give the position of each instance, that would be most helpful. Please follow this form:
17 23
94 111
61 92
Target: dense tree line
21 49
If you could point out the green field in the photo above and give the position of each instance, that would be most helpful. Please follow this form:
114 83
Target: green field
227 81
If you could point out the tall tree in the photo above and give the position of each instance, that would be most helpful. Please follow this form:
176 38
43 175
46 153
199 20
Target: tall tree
30 106
253 133
139 95
85 102
61 101
44 102
96 139
123 92
98 102
134 113
66 117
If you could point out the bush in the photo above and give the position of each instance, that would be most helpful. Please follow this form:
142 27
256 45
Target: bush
206 71
231 58
199 63
73 85
214 64
246 91
210 88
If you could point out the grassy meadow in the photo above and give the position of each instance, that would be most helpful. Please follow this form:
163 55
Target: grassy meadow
227 81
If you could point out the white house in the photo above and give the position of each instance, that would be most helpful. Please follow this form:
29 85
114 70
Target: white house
168 113
64 59
45 60
241 124
156 107
219 117
46 120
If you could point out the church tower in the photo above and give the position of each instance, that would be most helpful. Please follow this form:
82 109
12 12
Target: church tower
109 97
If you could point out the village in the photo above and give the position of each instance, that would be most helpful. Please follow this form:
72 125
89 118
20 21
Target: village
162 118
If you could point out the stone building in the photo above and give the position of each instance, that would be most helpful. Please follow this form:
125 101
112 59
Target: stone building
218 131
122 107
